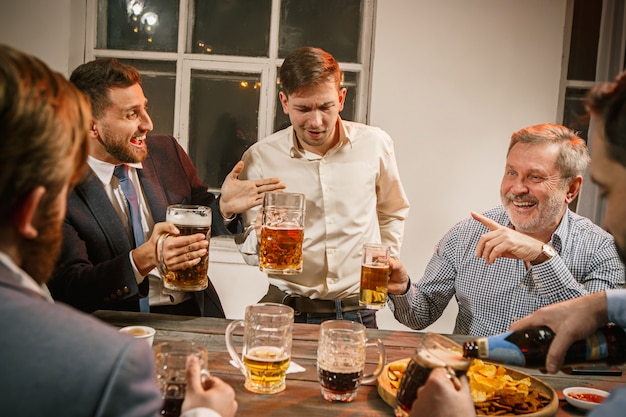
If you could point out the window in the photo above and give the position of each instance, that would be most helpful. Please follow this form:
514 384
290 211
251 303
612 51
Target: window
210 67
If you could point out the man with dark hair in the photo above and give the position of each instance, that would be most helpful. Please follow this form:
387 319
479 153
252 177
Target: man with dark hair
349 175
56 360
104 264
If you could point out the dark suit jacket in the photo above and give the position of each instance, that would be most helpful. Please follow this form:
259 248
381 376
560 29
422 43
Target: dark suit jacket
58 361
94 271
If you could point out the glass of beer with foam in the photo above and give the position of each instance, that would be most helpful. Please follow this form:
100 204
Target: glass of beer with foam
189 219
341 359
433 351
282 233
266 351
374 276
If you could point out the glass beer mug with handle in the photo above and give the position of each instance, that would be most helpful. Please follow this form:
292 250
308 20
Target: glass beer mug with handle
266 352
341 359
189 219
282 233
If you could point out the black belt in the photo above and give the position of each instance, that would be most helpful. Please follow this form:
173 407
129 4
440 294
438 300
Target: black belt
310 305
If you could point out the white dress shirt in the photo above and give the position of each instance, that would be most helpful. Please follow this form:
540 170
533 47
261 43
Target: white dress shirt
353 196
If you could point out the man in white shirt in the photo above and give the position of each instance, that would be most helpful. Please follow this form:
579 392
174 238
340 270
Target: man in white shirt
56 360
349 175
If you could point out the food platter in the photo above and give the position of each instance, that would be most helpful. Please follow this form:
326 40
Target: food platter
387 391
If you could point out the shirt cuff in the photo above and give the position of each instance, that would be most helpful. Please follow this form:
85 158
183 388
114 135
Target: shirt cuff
201 412
138 277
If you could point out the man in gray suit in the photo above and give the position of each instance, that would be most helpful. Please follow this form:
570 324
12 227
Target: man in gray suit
56 360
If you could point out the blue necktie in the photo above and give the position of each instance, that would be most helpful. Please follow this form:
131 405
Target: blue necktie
121 172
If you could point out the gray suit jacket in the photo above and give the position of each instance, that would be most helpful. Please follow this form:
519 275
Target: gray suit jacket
58 361
94 271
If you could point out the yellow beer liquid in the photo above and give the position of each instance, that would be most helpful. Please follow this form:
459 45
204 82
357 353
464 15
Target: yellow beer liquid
266 367
374 285
281 249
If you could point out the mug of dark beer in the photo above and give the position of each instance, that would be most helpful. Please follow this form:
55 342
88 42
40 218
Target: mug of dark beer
433 351
170 361
282 233
341 359
374 276
189 220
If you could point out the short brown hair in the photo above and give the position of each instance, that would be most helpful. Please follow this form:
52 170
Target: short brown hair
44 120
96 78
306 67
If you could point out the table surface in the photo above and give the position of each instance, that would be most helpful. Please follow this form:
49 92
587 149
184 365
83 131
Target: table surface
302 395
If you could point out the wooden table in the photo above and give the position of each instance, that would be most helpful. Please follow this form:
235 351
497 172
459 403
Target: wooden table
302 396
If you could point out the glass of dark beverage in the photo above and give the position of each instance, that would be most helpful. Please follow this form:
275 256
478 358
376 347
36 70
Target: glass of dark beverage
170 361
189 219
341 359
433 351
282 233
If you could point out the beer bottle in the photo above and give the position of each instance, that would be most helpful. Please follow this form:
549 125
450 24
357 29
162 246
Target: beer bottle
529 347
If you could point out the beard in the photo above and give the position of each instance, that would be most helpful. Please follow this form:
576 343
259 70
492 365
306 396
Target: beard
38 256
548 213
119 148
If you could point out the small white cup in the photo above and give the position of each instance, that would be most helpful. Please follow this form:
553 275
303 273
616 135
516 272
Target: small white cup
140 332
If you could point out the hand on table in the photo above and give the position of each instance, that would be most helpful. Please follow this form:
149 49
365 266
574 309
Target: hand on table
504 242
439 397
215 393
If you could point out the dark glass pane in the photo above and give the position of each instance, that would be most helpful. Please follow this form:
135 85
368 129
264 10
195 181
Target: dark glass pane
583 51
223 120
332 25
138 25
159 86
574 115
281 120
234 27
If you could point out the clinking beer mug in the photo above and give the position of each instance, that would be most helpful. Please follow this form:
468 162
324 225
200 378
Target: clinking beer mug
282 233
341 359
189 219
266 349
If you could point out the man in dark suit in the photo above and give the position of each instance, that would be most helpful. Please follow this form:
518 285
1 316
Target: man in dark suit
102 266
55 360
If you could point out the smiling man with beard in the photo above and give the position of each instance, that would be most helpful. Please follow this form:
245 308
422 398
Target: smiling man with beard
530 252
106 262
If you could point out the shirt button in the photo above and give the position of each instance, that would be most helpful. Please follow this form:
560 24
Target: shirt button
535 276
126 290
522 285
119 293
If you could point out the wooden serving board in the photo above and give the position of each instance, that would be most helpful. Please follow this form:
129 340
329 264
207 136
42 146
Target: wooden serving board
387 391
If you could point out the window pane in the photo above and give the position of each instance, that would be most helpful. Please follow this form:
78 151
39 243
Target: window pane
138 25
281 120
159 86
574 116
332 25
223 120
583 51
235 27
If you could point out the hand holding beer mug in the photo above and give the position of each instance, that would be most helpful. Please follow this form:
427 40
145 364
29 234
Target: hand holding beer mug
433 351
341 359
374 276
170 361
282 233
266 346
189 220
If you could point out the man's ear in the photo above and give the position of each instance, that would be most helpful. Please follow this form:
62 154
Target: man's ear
573 188
25 213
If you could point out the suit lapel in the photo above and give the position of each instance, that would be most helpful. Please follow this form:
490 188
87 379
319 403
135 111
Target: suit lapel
154 191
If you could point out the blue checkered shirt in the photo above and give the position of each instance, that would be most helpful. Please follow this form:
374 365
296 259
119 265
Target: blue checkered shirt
491 297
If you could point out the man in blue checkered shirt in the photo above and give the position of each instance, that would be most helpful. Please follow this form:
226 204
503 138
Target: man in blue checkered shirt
528 253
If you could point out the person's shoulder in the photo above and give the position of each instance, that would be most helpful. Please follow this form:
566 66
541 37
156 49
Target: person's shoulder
277 139
584 225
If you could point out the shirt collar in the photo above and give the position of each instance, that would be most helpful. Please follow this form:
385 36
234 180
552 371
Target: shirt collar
297 151
23 279
104 170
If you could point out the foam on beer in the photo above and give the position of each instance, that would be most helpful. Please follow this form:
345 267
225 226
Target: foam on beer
189 219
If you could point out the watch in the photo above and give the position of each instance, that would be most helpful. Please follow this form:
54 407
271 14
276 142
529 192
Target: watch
547 252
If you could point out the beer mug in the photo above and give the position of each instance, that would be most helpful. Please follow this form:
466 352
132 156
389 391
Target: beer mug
374 276
189 220
170 361
266 346
341 359
282 233
433 351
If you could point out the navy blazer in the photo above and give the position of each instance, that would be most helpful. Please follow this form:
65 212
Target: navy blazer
94 270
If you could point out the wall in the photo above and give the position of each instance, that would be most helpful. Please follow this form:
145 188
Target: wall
452 79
